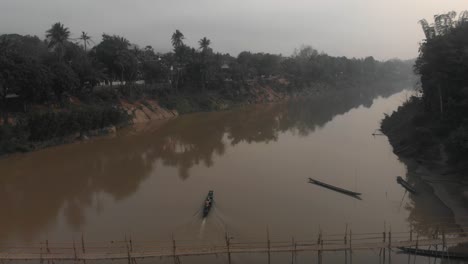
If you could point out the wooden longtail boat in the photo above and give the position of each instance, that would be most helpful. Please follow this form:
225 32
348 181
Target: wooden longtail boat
434 253
208 204
334 188
406 185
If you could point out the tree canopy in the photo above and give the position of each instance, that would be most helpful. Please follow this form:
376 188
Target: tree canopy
43 71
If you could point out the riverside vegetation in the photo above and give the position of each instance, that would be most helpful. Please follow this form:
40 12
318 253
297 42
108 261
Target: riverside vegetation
59 89
434 125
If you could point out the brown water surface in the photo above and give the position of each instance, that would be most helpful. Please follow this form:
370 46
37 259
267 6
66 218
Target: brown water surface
150 181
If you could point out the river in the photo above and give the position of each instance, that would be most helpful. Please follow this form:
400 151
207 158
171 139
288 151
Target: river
149 181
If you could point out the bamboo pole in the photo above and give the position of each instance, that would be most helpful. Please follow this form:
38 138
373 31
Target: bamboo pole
128 251
268 243
74 249
346 242
389 240
411 234
390 245
445 247
384 239
350 246
228 246
82 243
174 249
319 246
42 260
346 235
293 251
417 244
443 240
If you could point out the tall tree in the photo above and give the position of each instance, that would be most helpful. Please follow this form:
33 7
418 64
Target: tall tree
114 52
204 46
442 64
57 36
86 39
444 22
429 30
177 39
204 43
64 79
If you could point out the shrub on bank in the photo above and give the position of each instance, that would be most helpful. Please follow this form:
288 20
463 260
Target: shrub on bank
40 127
47 125
13 138
457 143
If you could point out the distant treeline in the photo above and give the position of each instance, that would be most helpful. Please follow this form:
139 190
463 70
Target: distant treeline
441 114
42 71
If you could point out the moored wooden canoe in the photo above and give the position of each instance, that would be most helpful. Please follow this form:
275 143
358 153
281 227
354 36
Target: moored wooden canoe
331 187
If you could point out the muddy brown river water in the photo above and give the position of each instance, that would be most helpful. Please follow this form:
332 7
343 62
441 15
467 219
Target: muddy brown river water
149 182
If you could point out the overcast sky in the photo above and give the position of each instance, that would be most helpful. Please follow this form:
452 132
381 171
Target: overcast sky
354 28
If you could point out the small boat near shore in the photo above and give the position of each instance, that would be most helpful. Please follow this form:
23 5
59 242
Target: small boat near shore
406 185
334 188
208 203
434 253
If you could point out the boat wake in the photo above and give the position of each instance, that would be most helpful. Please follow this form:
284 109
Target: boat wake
202 229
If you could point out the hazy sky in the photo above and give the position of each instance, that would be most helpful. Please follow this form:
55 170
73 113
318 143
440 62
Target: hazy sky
354 28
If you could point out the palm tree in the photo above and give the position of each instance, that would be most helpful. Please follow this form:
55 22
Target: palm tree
85 38
177 39
57 36
204 43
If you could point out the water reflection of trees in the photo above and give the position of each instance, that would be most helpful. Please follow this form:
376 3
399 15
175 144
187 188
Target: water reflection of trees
427 213
35 188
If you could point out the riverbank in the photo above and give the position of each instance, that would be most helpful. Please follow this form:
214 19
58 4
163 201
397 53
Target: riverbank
410 132
108 108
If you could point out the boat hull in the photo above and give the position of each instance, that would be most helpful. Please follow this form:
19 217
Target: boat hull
434 253
406 185
334 188
208 203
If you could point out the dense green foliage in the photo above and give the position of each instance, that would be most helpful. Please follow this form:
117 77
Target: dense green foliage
443 66
440 116
46 125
